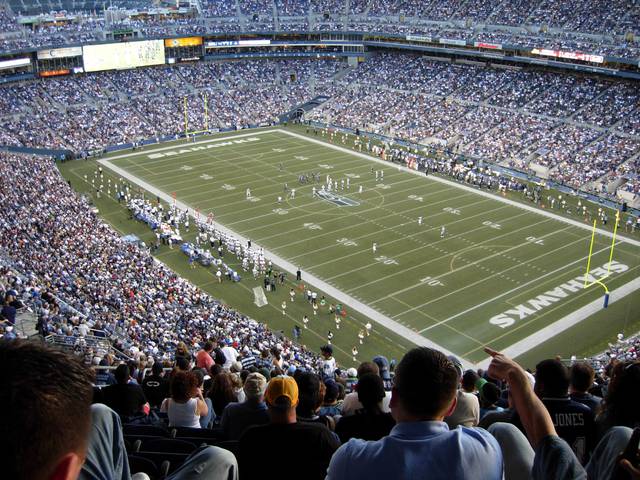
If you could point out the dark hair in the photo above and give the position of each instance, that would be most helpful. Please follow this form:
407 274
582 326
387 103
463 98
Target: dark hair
122 373
208 346
45 398
199 374
621 402
552 378
341 391
309 395
582 375
331 392
426 382
222 392
183 385
157 368
469 379
182 363
370 390
368 367
489 394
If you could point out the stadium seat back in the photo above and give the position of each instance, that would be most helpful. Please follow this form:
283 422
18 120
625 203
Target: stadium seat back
180 432
138 464
168 445
145 430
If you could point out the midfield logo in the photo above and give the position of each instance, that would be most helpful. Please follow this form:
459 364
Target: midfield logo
337 199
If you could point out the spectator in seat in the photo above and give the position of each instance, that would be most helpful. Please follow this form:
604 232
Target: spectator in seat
9 309
620 405
237 417
385 371
421 444
582 376
182 353
54 432
489 396
230 354
469 381
222 393
186 405
331 407
308 447
103 376
542 454
467 409
311 394
203 357
125 397
573 421
155 386
351 403
206 421
370 422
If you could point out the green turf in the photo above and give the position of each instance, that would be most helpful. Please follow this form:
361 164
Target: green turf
493 257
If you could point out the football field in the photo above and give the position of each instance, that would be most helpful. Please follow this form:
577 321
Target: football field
501 273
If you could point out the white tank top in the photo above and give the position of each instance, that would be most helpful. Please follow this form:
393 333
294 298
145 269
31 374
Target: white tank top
183 414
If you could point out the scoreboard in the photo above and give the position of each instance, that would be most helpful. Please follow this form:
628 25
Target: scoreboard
120 56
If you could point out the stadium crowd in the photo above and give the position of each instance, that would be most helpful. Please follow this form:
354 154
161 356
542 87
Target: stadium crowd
63 250
599 29
582 131
426 415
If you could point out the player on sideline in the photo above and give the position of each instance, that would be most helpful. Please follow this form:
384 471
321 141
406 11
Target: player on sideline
338 322
374 247
248 193
305 320
354 353
292 194
329 337
443 231
284 308
292 294
361 336
368 328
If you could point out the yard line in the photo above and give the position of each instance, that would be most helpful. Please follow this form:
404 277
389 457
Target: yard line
406 252
367 210
483 193
501 253
260 206
453 317
333 232
257 193
502 272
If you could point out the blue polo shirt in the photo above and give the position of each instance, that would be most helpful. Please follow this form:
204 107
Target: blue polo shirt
420 450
